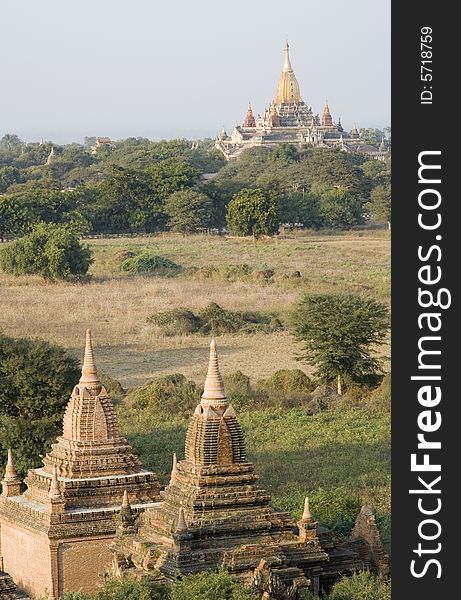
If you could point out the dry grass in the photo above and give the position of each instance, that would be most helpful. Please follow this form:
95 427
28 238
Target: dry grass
116 305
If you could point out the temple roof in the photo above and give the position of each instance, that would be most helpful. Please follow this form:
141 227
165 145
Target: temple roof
288 87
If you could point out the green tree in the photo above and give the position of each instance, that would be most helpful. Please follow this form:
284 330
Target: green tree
338 335
171 175
52 251
251 212
188 211
8 176
380 204
210 586
361 586
36 379
339 209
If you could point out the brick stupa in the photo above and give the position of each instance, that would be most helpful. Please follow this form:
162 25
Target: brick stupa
55 537
214 513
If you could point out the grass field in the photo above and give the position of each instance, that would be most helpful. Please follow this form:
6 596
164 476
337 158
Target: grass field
116 305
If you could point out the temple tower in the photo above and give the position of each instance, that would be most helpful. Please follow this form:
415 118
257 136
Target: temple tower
214 513
249 120
64 522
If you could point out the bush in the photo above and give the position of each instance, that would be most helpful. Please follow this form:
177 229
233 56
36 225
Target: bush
361 586
214 320
167 397
125 588
114 388
289 381
150 264
36 380
335 509
210 586
51 251
233 272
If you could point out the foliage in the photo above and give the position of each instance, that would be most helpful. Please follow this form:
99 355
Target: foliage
125 588
214 320
148 263
380 203
188 211
289 381
339 333
210 586
171 175
361 586
36 379
49 250
335 509
167 396
251 212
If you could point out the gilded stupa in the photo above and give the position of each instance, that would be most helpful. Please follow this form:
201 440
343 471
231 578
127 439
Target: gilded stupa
288 119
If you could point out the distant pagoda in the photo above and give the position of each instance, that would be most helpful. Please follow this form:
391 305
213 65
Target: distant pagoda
288 119
55 536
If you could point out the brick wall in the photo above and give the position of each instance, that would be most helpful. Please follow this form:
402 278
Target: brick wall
81 562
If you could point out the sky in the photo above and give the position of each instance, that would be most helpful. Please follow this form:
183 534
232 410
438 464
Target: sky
184 68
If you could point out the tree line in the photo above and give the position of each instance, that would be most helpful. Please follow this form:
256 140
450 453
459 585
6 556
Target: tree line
143 186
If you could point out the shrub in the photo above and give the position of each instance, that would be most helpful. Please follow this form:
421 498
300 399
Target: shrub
128 588
168 396
114 388
177 321
189 211
210 586
49 250
335 509
214 320
289 381
361 586
36 379
150 264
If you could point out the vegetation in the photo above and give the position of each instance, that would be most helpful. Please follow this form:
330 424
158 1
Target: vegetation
251 212
36 380
133 185
380 203
188 211
338 333
49 250
214 320
361 586
150 264
200 586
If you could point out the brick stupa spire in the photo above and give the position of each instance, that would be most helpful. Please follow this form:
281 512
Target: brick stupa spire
70 503
214 513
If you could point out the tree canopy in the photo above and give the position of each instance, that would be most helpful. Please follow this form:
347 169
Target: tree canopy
338 335
36 379
252 212
49 250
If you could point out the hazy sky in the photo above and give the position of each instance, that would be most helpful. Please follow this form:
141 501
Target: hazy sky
183 68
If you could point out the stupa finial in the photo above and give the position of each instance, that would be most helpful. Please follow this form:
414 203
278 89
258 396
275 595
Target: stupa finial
10 471
125 500
90 376
181 524
307 515
214 393
55 490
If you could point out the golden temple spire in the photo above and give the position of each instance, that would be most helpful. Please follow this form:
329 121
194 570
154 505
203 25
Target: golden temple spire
214 393
90 376
287 88
287 64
